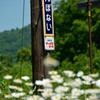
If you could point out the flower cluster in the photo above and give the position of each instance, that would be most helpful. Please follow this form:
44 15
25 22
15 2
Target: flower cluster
70 86
15 88
64 86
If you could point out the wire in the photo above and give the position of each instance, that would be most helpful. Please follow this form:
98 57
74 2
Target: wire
23 21
23 14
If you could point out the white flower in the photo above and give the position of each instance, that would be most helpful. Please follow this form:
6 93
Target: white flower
65 84
35 97
8 77
22 94
18 80
76 92
15 95
73 97
7 96
80 73
47 93
87 78
94 75
15 88
86 83
92 91
47 83
98 83
29 84
38 82
12 87
61 89
74 83
93 97
53 72
56 78
78 81
18 94
60 80
65 88
19 89
30 98
26 78
69 73
56 97
40 90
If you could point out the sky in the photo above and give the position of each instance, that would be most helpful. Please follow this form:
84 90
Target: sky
11 12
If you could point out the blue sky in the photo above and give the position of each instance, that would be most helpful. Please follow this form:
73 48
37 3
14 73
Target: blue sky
11 14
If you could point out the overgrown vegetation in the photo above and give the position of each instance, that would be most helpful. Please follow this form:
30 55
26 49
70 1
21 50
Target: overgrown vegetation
71 42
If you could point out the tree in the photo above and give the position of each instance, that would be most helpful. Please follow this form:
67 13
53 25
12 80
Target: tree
71 29
24 55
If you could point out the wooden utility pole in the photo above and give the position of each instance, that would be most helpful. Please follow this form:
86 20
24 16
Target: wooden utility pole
42 33
38 51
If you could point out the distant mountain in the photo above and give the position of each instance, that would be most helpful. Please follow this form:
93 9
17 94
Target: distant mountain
12 41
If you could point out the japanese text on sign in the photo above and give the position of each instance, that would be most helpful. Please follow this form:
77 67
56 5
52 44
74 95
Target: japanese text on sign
48 20
49 43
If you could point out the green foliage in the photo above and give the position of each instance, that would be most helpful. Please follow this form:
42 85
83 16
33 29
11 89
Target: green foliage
23 65
81 62
71 23
22 69
72 36
16 70
12 41
24 55
6 61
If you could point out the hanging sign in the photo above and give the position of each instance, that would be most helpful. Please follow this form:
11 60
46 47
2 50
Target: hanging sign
49 43
48 27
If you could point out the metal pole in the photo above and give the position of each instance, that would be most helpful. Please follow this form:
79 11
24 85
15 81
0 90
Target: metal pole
90 35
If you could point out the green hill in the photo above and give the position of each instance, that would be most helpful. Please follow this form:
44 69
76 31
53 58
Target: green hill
11 41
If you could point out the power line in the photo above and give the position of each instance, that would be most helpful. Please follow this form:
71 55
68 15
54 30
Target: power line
22 38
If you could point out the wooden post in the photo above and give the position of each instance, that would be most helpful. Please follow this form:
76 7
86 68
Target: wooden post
38 51
90 35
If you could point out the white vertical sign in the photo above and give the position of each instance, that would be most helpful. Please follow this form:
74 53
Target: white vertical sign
49 43
48 25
